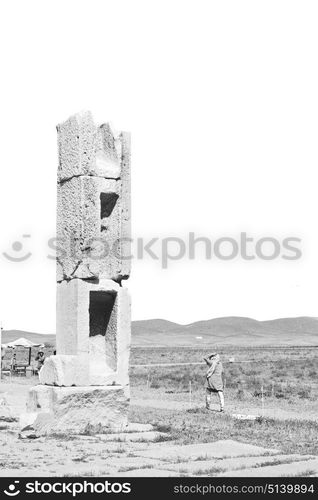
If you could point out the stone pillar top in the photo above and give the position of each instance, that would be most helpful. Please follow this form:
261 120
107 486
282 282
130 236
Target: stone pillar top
89 149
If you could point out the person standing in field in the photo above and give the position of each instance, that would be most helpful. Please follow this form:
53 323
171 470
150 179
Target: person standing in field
214 380
40 358
13 363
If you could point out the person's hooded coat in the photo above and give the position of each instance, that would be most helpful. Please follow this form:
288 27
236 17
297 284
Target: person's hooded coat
214 376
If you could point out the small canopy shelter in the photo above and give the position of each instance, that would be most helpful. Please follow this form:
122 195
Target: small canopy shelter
23 342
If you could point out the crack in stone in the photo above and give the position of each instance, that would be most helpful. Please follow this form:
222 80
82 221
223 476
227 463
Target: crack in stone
63 181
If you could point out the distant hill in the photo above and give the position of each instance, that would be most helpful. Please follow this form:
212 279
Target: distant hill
37 338
219 331
227 331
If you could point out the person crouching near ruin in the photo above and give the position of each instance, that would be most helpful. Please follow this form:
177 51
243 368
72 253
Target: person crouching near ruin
214 380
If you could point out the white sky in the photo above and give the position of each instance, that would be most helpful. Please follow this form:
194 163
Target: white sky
222 103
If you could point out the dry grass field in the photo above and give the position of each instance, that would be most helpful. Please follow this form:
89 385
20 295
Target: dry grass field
277 384
280 374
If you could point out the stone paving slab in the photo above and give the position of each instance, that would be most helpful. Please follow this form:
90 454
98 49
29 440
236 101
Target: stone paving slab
205 467
123 462
218 449
133 436
135 427
22 472
148 473
132 427
111 446
90 469
283 470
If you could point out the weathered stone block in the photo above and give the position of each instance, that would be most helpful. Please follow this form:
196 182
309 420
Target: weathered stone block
81 410
93 210
87 149
93 323
92 236
76 145
40 399
64 370
27 419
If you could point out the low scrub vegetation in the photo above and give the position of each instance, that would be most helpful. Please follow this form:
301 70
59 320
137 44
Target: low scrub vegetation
201 426
280 374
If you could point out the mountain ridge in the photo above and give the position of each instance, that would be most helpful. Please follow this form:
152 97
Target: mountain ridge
230 330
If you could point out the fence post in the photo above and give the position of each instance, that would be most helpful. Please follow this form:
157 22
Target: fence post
190 393
0 350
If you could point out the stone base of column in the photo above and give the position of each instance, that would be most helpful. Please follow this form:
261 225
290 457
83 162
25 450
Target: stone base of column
78 410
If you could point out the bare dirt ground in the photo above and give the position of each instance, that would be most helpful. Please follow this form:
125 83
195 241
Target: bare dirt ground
276 385
159 399
186 440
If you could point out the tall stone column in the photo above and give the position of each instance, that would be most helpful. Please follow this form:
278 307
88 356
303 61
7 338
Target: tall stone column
85 386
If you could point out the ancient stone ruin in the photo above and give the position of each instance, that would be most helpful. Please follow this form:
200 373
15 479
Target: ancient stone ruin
85 386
